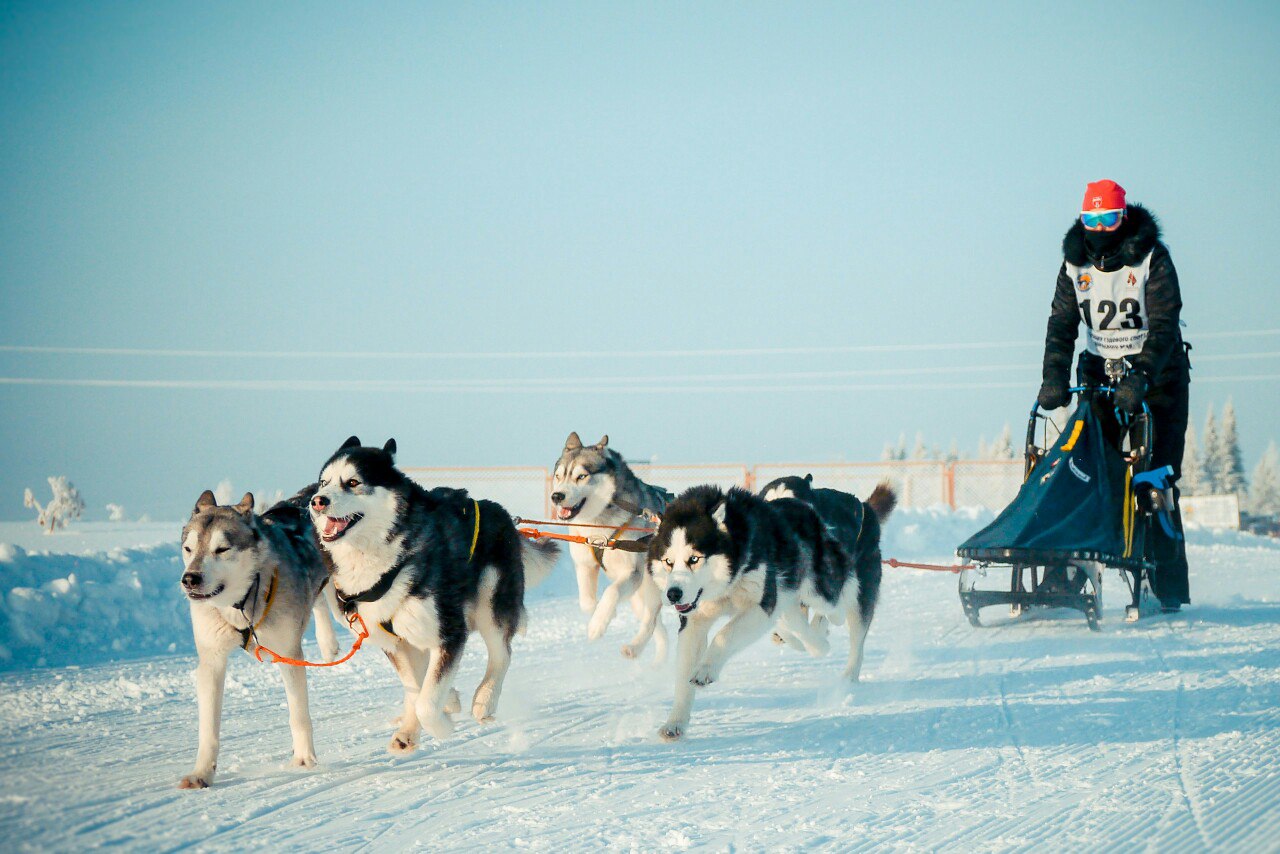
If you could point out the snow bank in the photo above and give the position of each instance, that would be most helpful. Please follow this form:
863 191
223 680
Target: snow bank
74 609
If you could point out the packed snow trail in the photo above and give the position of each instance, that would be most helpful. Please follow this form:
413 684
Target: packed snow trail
1035 732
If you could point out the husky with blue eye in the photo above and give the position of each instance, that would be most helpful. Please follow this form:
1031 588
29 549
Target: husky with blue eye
424 568
761 564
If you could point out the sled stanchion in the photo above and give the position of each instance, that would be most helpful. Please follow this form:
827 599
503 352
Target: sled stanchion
276 658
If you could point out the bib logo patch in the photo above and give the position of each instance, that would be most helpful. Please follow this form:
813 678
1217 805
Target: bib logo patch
1084 281
1133 280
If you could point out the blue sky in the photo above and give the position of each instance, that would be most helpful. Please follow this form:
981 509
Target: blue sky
552 181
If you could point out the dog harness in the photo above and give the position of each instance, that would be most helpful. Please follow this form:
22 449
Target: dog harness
250 632
348 603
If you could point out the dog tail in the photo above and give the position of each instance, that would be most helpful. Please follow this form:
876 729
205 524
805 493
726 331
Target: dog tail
539 558
882 500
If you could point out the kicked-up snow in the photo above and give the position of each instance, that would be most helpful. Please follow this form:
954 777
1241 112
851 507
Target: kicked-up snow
1031 733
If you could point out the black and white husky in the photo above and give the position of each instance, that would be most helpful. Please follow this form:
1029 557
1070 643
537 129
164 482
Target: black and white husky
253 579
593 485
425 568
759 563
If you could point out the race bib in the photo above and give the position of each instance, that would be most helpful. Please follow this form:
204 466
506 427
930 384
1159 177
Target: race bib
1113 307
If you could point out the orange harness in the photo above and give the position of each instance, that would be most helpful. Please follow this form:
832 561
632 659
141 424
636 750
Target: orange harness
361 636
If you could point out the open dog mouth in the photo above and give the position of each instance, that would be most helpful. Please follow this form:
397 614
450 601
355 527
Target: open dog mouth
569 512
200 597
686 608
335 526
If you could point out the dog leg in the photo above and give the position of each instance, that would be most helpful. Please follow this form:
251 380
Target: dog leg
588 572
782 637
326 637
795 621
498 644
744 629
211 678
436 685
646 602
295 690
608 607
858 629
690 645
410 664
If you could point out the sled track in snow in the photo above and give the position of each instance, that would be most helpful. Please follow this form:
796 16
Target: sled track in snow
1032 732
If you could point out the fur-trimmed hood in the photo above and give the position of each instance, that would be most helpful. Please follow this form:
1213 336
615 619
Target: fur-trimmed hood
1137 236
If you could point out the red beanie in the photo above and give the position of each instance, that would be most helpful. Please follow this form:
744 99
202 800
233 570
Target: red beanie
1105 195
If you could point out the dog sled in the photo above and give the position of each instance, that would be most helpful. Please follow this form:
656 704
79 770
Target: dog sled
1087 504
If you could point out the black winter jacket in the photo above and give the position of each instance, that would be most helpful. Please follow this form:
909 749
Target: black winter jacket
1162 359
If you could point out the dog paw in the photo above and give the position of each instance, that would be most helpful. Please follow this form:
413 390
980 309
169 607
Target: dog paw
454 704
704 674
669 732
403 743
598 625
308 761
195 781
630 650
483 703
777 638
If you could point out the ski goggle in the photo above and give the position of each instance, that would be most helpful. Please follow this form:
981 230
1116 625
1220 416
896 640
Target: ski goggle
1101 220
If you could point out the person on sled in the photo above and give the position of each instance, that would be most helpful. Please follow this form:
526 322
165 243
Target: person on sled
1118 279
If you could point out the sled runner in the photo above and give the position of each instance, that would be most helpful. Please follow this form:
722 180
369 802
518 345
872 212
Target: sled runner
1085 505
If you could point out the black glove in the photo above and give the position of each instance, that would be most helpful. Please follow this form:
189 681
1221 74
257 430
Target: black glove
1130 391
1054 394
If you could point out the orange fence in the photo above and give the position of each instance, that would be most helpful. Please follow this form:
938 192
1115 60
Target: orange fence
524 490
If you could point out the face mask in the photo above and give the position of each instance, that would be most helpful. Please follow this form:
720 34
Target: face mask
1101 243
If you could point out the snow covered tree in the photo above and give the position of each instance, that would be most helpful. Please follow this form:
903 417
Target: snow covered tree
1191 478
1232 476
921 450
982 448
888 454
65 505
1213 462
953 453
223 493
1002 449
115 513
1264 492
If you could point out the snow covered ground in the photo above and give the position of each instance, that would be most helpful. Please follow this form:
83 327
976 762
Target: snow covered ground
1037 732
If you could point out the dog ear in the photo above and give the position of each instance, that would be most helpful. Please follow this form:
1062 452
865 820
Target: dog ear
205 501
245 507
573 443
718 514
604 441
390 447
352 442
808 478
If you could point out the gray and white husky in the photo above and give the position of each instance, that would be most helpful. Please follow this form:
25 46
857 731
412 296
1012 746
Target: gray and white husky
253 579
424 569
594 485
760 563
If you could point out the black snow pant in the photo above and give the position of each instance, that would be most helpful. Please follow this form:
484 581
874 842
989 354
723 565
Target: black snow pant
1169 412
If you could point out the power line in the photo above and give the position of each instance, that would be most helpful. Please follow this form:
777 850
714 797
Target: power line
562 354
424 387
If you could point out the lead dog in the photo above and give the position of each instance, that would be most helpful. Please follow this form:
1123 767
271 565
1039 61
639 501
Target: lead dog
594 485
423 569
759 563
252 579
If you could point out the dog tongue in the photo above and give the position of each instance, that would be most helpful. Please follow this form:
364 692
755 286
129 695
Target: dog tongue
565 512
333 526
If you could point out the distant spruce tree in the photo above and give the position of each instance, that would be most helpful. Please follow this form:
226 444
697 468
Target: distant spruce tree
1191 478
1214 461
1264 491
1231 480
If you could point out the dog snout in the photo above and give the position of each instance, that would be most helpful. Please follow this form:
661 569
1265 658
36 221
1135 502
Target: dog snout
557 497
319 502
192 580
674 595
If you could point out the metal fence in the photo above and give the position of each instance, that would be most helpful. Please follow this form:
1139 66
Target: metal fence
524 490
